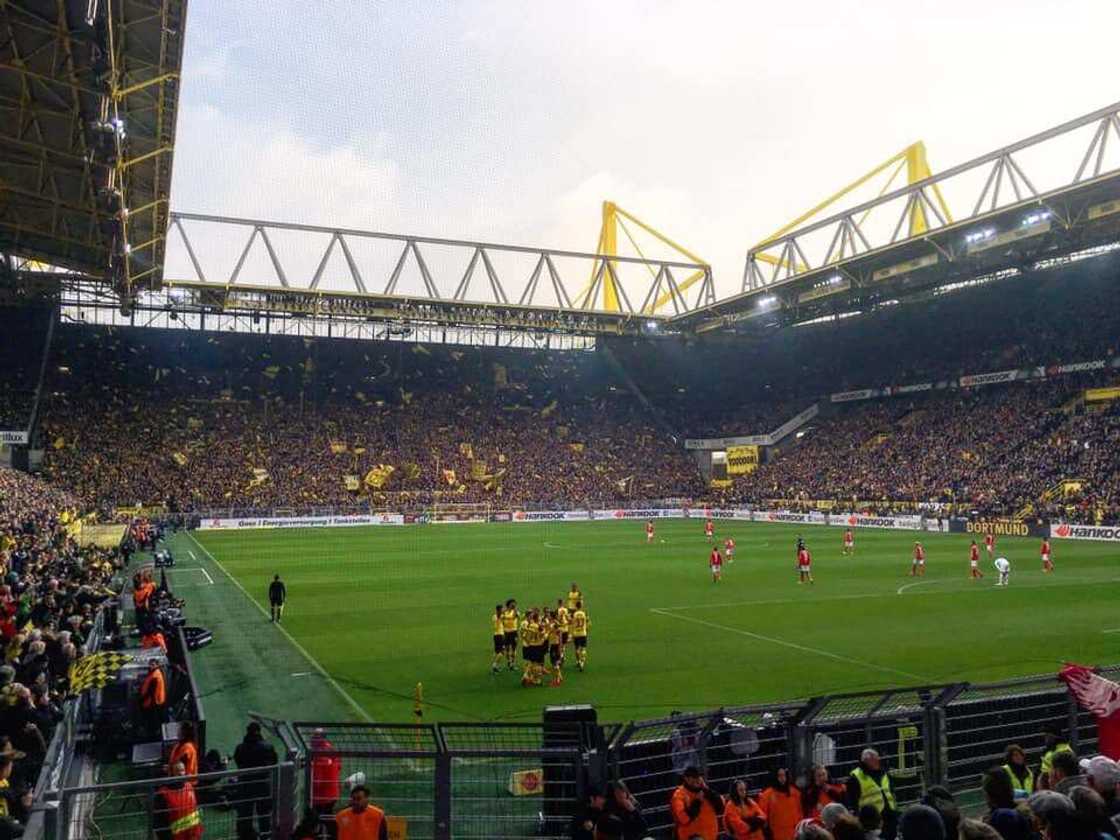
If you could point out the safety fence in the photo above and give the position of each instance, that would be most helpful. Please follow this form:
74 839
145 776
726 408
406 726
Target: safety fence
228 805
523 780
466 781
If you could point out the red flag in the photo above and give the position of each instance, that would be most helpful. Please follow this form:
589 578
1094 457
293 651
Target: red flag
1101 697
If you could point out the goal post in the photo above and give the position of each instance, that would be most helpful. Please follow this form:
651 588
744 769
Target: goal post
443 511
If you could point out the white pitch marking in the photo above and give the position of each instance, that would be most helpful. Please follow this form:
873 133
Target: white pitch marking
205 573
314 662
302 674
971 588
906 586
792 645
412 763
768 602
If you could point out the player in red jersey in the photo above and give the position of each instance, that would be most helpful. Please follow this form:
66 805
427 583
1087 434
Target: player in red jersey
709 530
849 542
804 565
918 566
729 549
716 563
1047 563
990 543
649 531
974 561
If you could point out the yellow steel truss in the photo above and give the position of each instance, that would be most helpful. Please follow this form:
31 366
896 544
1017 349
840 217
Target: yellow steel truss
912 159
615 219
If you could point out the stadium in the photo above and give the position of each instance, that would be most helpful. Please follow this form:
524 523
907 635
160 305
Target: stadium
315 524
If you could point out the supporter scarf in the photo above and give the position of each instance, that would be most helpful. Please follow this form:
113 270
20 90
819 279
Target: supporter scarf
1101 697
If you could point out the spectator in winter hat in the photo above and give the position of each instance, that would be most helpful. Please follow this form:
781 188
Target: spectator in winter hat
1050 812
921 822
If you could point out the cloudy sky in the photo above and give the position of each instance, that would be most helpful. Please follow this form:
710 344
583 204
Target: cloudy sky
512 121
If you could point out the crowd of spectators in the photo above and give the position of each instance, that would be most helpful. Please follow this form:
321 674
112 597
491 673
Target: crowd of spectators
721 385
253 423
1062 799
244 422
49 594
996 450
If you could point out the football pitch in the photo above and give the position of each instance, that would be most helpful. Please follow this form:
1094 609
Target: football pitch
380 609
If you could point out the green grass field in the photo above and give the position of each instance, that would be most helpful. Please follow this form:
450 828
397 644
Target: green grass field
381 609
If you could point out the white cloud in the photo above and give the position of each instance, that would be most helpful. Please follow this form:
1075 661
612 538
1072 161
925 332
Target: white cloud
715 122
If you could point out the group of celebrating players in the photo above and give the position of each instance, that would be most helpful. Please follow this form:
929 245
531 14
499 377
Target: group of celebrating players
804 561
540 631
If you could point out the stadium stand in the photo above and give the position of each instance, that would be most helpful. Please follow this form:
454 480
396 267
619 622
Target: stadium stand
143 416
734 385
138 419
51 592
996 449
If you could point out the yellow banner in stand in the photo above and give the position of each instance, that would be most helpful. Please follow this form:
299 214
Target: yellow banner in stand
1101 394
742 460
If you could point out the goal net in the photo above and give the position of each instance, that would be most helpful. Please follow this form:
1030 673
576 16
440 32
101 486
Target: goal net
459 511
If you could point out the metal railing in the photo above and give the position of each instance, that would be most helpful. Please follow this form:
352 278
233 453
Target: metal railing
457 780
232 804
490 781
524 780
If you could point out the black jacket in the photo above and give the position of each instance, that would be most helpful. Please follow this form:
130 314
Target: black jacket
633 823
586 814
277 592
250 753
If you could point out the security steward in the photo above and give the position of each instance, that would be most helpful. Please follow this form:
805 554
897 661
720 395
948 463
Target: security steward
695 807
1022 779
142 590
177 816
870 784
362 820
153 698
185 751
1054 744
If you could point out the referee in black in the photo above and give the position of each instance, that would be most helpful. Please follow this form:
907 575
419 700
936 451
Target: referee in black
277 595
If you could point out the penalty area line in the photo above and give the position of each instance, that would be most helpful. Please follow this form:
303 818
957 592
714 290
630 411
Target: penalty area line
792 645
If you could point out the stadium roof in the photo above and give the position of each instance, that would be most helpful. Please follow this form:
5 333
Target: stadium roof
88 97
1052 196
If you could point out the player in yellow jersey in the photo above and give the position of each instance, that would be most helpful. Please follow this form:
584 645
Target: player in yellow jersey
574 595
564 619
510 619
556 649
580 626
498 629
545 622
532 650
526 646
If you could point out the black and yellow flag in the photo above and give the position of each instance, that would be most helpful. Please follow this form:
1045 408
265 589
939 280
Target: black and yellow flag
96 670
